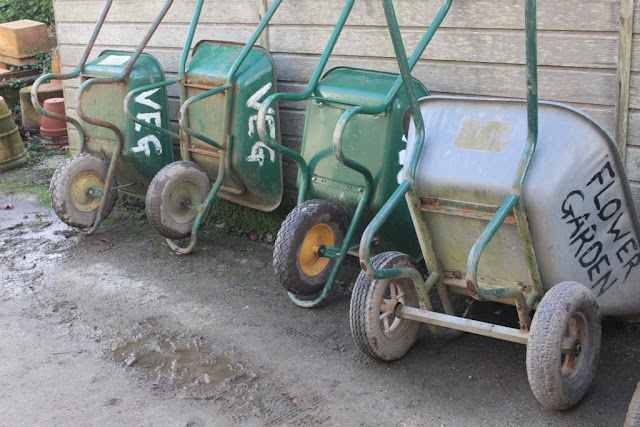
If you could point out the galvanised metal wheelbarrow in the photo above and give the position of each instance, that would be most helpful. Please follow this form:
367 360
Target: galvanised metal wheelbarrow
221 90
113 154
354 123
562 238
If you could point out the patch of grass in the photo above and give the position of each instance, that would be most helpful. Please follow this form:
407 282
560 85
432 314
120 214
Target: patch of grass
139 229
38 152
42 193
131 203
35 183
30 180
115 217
241 218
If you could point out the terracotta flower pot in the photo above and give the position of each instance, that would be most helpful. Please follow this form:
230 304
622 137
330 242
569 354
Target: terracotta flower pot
52 128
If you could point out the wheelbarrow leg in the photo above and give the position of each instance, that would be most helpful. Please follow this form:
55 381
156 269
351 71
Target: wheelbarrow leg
108 184
205 206
341 255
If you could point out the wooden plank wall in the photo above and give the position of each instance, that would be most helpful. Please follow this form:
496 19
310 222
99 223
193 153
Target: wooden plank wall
479 49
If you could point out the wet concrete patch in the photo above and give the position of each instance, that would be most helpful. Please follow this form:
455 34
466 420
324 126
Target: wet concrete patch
29 241
174 363
183 365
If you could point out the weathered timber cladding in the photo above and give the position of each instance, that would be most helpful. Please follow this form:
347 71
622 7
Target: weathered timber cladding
478 51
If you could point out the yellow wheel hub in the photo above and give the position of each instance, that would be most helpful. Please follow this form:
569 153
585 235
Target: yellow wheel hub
180 200
80 186
311 263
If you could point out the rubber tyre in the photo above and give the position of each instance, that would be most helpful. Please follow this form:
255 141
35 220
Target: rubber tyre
175 185
366 326
289 242
560 381
67 190
633 414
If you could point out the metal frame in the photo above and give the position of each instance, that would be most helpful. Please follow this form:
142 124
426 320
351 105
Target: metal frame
512 205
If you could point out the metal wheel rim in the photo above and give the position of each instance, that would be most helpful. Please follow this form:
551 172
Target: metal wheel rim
577 327
79 191
310 260
396 293
179 204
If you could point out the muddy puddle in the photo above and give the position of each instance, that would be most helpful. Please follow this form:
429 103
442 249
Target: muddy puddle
186 366
174 363
29 242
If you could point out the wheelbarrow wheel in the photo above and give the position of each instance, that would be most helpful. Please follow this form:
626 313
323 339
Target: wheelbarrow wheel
298 265
174 197
633 415
69 190
375 329
568 314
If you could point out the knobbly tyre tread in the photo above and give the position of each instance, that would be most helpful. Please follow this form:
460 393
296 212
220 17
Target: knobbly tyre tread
289 241
58 190
154 198
633 414
360 311
543 349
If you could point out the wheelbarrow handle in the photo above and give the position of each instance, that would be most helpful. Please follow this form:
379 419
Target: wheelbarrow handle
393 92
514 202
311 86
72 75
181 73
410 171
125 72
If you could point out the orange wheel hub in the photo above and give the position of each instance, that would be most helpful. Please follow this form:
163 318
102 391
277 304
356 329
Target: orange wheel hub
311 262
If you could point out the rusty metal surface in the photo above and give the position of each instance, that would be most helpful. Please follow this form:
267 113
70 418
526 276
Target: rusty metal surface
433 205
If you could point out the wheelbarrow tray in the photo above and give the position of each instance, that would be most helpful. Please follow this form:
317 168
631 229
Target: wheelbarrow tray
375 141
144 152
257 167
581 215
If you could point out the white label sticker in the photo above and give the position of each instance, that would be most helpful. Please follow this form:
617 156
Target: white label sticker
115 60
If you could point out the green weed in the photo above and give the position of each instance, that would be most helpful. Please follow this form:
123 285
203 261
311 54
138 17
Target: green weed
38 152
131 203
35 222
35 183
240 218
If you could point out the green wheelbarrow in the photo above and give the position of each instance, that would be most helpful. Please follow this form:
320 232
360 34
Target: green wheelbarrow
113 154
221 90
354 123
562 238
